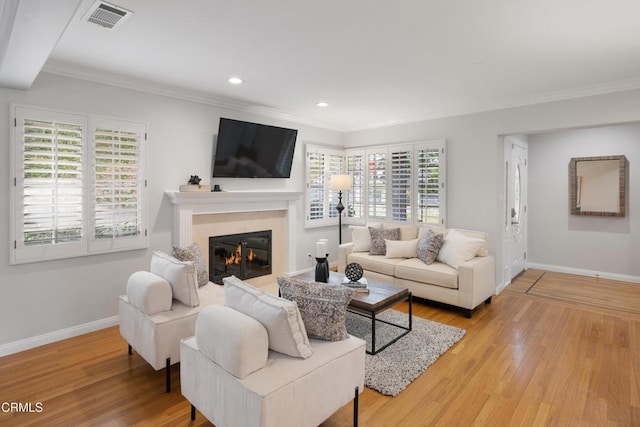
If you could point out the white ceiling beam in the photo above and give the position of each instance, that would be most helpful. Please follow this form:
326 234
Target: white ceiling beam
29 31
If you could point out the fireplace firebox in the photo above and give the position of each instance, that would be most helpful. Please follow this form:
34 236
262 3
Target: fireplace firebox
244 255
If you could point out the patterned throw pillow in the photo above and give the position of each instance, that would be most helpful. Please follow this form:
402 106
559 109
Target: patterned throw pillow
378 246
429 245
194 254
323 307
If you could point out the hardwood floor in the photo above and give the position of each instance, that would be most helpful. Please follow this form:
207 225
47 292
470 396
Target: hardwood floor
525 360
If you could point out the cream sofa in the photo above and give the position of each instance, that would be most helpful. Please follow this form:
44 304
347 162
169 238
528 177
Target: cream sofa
467 286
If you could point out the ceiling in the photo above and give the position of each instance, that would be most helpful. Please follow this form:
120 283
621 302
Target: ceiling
376 63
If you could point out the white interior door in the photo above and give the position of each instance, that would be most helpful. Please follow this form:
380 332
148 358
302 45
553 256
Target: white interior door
516 207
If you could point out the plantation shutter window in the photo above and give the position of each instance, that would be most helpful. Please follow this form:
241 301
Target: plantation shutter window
73 186
401 184
321 201
334 167
377 185
354 199
430 184
315 186
118 184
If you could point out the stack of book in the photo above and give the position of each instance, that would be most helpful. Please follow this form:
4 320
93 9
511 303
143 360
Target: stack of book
359 287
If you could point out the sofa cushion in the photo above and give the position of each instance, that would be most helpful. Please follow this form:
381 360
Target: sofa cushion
378 237
375 263
407 231
149 292
401 248
428 246
235 341
181 275
323 306
281 317
435 274
194 254
458 248
424 229
361 237
483 250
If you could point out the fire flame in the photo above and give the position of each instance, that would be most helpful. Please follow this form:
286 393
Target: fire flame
236 257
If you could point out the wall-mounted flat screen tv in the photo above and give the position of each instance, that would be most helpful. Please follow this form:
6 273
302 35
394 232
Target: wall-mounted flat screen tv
252 150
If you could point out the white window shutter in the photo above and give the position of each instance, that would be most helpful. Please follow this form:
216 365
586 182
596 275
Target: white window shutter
355 202
377 184
401 183
430 192
117 205
48 212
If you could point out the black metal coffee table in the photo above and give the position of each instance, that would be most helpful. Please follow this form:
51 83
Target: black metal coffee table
381 297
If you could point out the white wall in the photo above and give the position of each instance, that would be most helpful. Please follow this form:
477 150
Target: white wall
42 298
475 155
557 238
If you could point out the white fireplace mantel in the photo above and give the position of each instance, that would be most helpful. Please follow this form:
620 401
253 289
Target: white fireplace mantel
188 204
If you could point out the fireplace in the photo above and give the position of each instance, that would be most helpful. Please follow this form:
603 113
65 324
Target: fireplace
244 255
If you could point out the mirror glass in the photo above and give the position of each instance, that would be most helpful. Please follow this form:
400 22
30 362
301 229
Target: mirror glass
598 185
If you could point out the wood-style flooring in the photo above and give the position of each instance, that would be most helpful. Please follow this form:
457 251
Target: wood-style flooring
526 360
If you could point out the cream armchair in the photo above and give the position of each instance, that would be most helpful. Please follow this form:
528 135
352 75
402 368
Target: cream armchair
160 309
229 374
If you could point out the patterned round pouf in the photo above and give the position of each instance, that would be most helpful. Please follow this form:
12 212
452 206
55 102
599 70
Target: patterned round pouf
353 271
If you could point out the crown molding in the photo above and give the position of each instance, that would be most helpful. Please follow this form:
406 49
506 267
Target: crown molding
142 85
147 86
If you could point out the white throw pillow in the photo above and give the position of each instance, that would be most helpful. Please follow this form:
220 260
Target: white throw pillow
235 341
181 275
361 237
402 248
279 316
458 248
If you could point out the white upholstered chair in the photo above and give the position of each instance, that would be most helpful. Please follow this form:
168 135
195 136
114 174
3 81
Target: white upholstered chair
232 377
160 309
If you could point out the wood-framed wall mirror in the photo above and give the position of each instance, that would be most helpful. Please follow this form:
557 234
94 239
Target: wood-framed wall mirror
598 185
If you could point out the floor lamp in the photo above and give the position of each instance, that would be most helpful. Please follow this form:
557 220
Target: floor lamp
340 183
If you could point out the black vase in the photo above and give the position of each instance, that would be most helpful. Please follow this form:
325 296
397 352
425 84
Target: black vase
322 270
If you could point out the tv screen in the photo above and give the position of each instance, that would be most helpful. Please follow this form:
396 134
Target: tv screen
252 150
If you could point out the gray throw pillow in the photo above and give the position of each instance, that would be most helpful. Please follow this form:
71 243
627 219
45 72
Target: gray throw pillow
194 254
429 245
323 307
378 236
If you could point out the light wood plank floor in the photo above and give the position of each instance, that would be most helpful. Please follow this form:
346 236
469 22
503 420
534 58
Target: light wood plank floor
525 360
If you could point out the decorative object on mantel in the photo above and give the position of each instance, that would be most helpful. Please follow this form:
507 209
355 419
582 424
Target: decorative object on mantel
322 261
194 185
340 183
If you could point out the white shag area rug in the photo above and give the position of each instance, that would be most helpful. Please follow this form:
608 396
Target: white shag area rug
393 369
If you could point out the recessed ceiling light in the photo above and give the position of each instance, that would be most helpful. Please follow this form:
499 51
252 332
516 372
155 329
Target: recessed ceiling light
235 80
322 104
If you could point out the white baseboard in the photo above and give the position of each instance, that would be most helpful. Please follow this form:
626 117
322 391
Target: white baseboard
308 269
501 287
48 338
584 272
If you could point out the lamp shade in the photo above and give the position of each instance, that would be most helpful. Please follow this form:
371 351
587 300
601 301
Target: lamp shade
341 182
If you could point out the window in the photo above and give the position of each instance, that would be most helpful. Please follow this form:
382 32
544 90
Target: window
321 200
78 185
354 199
429 185
400 183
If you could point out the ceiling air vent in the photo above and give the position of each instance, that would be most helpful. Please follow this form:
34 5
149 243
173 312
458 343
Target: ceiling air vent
107 15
